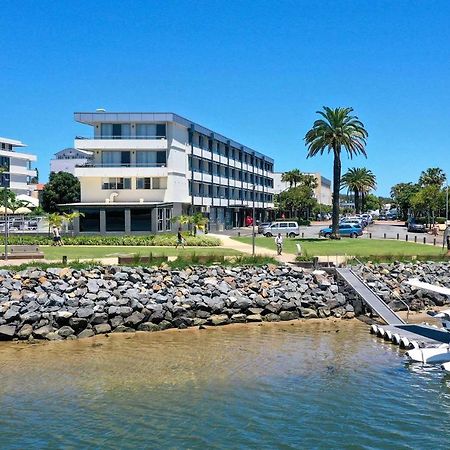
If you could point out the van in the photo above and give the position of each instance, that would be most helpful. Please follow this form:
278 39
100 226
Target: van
288 228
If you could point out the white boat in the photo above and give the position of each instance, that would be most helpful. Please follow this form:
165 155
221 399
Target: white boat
446 367
430 355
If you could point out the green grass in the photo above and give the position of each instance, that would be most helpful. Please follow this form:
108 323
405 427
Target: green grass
96 252
347 246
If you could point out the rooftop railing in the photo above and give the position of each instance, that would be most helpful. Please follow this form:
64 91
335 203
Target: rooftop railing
119 137
95 164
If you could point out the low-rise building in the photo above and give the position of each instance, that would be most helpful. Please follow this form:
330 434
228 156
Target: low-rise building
68 158
322 193
147 168
18 166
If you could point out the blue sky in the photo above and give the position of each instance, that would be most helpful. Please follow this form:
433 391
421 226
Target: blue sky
255 71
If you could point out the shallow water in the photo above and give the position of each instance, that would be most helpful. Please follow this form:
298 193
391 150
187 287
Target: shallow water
272 386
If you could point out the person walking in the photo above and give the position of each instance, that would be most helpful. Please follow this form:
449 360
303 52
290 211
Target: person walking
180 239
57 236
279 243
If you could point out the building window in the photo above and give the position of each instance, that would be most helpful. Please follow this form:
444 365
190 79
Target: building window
90 220
115 219
116 183
151 159
159 183
168 217
141 219
143 183
200 141
164 216
115 130
210 145
116 159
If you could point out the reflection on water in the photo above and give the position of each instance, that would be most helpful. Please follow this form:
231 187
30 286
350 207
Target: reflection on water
314 384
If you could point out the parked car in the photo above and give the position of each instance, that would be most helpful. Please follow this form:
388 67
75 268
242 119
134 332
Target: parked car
344 230
415 227
262 226
285 228
355 223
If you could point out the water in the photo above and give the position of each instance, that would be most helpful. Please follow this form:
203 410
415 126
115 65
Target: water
272 386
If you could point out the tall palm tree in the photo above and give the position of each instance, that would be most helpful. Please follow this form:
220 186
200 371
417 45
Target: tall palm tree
293 177
432 176
360 181
336 129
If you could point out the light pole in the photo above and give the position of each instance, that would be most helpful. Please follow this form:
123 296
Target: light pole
446 208
5 205
253 223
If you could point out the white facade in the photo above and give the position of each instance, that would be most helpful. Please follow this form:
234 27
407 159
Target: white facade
151 159
67 159
19 171
322 192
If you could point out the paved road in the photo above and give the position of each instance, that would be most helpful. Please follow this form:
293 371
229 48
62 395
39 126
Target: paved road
378 230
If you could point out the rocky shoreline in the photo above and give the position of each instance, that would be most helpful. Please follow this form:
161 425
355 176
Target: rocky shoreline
65 303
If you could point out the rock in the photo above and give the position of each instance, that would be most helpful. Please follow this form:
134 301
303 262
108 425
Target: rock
116 321
219 319
308 313
7 332
11 314
102 328
148 326
86 333
289 315
124 329
25 332
134 319
84 313
78 323
66 331
239 318
42 332
254 318
271 317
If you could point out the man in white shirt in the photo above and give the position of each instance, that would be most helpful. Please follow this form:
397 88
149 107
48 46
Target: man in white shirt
279 243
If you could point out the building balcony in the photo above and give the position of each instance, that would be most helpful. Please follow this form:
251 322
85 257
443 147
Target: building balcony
121 170
121 143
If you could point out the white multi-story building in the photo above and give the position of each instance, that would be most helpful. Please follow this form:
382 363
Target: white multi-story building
68 158
150 167
19 172
322 192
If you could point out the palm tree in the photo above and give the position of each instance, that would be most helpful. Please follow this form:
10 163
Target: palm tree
336 129
360 181
434 176
293 177
199 221
70 217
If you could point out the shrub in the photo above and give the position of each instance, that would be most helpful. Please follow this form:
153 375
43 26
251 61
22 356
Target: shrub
303 222
162 240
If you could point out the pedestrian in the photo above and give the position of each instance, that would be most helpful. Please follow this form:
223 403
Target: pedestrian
180 239
279 243
57 236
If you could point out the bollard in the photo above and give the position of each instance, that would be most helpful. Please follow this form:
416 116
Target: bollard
384 236
370 235
434 241
239 234
406 238
415 238
398 236
64 259
303 234
424 240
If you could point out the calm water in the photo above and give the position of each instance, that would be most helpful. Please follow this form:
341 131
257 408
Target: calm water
273 386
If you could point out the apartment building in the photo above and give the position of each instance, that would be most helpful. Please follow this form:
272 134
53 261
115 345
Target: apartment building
19 173
68 158
147 168
322 193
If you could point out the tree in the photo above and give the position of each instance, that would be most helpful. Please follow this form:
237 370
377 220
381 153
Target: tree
402 194
70 217
62 188
360 181
293 177
197 220
372 202
432 176
337 129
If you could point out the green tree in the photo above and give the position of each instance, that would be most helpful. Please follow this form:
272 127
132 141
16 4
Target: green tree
372 202
360 181
293 177
337 129
402 194
62 188
432 176
70 217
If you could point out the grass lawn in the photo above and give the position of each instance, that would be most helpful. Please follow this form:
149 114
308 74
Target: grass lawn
347 246
96 252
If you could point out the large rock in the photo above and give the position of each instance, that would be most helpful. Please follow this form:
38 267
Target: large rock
102 328
7 332
219 319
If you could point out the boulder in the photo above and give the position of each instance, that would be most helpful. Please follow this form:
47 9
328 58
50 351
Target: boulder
7 332
219 319
102 328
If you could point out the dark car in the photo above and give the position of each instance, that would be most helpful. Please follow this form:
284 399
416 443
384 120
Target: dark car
416 227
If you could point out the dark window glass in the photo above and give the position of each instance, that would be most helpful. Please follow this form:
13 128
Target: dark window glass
116 130
125 159
115 220
200 141
161 158
161 130
90 222
141 219
210 145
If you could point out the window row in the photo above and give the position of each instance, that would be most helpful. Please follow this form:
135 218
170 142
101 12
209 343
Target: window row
223 192
205 166
119 183
133 131
139 158
7 146
206 143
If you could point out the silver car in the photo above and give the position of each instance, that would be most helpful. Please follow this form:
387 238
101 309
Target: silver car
288 228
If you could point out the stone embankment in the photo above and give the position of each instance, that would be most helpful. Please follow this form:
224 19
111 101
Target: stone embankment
388 281
65 303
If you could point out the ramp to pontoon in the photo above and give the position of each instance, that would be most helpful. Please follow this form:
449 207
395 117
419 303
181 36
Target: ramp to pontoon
368 296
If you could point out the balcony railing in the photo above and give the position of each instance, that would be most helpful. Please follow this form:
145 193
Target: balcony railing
89 164
119 137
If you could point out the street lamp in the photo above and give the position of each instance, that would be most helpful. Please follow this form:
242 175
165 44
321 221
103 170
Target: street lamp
4 181
253 223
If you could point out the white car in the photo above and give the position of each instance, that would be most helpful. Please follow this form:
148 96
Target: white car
286 228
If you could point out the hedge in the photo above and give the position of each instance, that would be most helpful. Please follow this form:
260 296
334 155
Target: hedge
162 240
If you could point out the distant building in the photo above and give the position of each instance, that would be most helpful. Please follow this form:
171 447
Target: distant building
322 192
68 158
150 167
19 173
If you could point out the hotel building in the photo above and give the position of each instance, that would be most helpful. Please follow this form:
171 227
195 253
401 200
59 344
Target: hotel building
68 158
18 171
149 167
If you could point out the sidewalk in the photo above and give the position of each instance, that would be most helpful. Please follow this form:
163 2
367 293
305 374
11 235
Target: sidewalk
228 242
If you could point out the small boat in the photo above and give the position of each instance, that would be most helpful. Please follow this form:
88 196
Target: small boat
430 355
446 367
